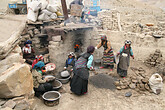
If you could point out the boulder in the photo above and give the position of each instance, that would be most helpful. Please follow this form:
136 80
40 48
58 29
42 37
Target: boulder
17 49
16 81
6 108
10 104
2 101
9 60
22 105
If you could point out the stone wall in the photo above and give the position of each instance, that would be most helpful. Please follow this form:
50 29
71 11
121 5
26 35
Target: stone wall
59 50
142 45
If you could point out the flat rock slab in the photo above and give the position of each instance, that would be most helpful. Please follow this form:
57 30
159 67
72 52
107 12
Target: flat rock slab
103 81
9 23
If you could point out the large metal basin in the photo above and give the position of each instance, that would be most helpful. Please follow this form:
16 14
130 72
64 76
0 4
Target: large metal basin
51 98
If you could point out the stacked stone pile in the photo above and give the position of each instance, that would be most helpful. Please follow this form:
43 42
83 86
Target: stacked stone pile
18 103
35 33
109 19
139 82
155 59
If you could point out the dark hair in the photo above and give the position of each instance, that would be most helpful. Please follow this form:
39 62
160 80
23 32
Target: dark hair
90 49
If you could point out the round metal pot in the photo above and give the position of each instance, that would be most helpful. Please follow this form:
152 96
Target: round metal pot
51 98
56 85
64 80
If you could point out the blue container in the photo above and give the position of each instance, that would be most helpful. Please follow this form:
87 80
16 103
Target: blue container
12 5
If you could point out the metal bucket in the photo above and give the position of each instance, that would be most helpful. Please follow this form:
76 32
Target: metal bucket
51 98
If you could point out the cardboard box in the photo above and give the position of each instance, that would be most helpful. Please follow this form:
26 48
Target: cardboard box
76 10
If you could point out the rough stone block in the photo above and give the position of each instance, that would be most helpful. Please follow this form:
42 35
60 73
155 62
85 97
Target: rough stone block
56 38
10 104
16 81
9 60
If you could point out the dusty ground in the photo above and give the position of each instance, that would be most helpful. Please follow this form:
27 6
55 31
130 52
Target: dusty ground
9 24
96 98
158 3
106 99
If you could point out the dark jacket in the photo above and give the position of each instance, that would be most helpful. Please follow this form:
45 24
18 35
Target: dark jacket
72 63
80 68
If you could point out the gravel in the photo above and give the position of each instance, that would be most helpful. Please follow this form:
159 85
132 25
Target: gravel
103 81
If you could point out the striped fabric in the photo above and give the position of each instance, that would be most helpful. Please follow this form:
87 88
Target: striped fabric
108 58
81 63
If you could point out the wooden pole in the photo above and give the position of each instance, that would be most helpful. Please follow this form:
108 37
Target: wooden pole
64 8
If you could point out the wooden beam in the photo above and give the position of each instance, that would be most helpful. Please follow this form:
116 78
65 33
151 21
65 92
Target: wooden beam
64 8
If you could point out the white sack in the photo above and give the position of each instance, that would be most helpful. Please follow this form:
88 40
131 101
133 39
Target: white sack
46 12
52 8
156 83
34 5
32 15
43 17
53 16
44 4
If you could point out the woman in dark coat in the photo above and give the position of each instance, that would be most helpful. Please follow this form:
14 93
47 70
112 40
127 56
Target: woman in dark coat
79 82
124 59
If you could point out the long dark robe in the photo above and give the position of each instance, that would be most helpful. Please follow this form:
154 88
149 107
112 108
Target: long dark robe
79 82
123 64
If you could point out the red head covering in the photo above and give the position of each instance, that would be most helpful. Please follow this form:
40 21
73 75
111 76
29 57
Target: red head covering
103 37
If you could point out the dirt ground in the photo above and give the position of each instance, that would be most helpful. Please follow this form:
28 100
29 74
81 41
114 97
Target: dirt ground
96 98
9 24
106 99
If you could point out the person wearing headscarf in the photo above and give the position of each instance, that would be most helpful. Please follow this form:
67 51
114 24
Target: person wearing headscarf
124 59
28 52
41 85
108 56
70 62
79 82
37 59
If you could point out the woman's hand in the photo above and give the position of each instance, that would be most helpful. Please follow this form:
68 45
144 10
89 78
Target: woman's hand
106 51
64 68
118 54
91 68
133 57
47 79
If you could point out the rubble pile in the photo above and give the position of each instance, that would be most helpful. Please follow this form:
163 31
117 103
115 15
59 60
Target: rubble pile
139 82
155 59
17 103
134 19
